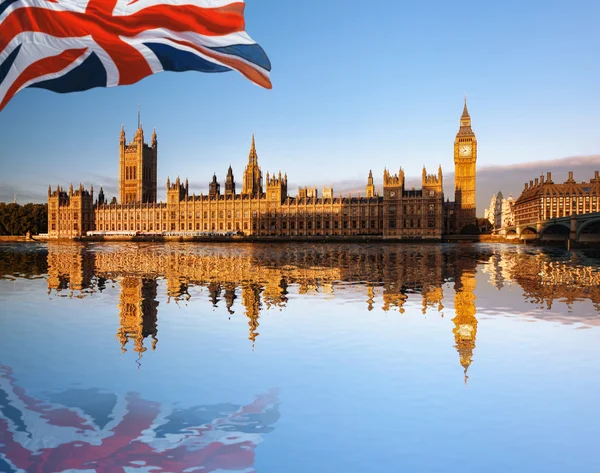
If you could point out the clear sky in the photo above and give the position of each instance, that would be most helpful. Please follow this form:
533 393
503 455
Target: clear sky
356 86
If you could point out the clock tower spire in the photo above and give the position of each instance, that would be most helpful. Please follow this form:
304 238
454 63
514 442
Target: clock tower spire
465 167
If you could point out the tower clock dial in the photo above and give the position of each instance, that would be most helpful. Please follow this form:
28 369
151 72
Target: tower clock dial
465 150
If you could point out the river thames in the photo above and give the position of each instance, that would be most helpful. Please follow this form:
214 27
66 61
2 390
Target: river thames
288 358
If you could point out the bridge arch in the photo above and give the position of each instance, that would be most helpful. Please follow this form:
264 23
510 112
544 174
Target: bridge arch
511 234
555 232
528 233
589 231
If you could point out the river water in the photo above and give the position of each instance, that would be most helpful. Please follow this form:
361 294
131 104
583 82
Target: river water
298 358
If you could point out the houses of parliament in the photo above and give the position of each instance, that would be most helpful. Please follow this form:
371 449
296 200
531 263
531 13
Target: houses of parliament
264 208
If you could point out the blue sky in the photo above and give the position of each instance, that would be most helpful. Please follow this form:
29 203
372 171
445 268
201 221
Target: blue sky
357 86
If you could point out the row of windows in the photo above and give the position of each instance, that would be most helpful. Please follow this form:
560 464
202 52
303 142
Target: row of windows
364 224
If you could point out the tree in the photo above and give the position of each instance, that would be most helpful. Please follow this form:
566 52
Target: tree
18 219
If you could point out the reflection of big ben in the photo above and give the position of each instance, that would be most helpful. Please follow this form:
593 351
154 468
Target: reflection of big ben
138 312
251 301
465 322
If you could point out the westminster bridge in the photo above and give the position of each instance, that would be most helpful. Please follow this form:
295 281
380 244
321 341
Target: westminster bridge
584 228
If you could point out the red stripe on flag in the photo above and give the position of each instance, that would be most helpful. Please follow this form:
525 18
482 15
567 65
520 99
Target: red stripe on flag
47 65
65 24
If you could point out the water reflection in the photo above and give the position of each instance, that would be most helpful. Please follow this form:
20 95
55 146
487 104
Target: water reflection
255 278
407 319
92 430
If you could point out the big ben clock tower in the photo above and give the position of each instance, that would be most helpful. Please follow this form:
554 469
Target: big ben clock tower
465 173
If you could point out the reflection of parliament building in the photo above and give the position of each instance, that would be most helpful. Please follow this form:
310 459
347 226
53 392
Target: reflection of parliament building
264 207
255 279
258 282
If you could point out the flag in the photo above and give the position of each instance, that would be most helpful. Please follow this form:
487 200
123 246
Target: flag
92 430
75 45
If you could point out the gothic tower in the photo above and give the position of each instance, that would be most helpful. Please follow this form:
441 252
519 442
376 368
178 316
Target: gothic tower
229 183
370 185
465 167
137 168
277 187
214 188
252 174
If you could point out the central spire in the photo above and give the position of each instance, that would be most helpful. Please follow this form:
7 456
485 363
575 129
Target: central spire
253 157
252 175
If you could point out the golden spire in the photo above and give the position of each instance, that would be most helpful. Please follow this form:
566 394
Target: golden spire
253 157
465 113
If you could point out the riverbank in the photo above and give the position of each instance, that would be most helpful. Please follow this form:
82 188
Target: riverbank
301 239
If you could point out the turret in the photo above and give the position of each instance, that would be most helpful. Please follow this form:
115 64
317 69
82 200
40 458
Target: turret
370 185
276 187
214 188
229 182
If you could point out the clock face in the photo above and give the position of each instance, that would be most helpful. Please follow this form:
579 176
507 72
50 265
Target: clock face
392 194
465 150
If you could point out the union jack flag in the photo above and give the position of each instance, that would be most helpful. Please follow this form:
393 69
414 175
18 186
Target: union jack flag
74 45
91 430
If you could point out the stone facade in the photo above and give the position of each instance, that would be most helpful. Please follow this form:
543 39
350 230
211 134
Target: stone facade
398 213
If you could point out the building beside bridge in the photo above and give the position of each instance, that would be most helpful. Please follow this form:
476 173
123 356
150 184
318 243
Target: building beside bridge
543 199
264 207
554 211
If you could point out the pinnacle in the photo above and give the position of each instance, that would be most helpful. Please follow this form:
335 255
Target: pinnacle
465 113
